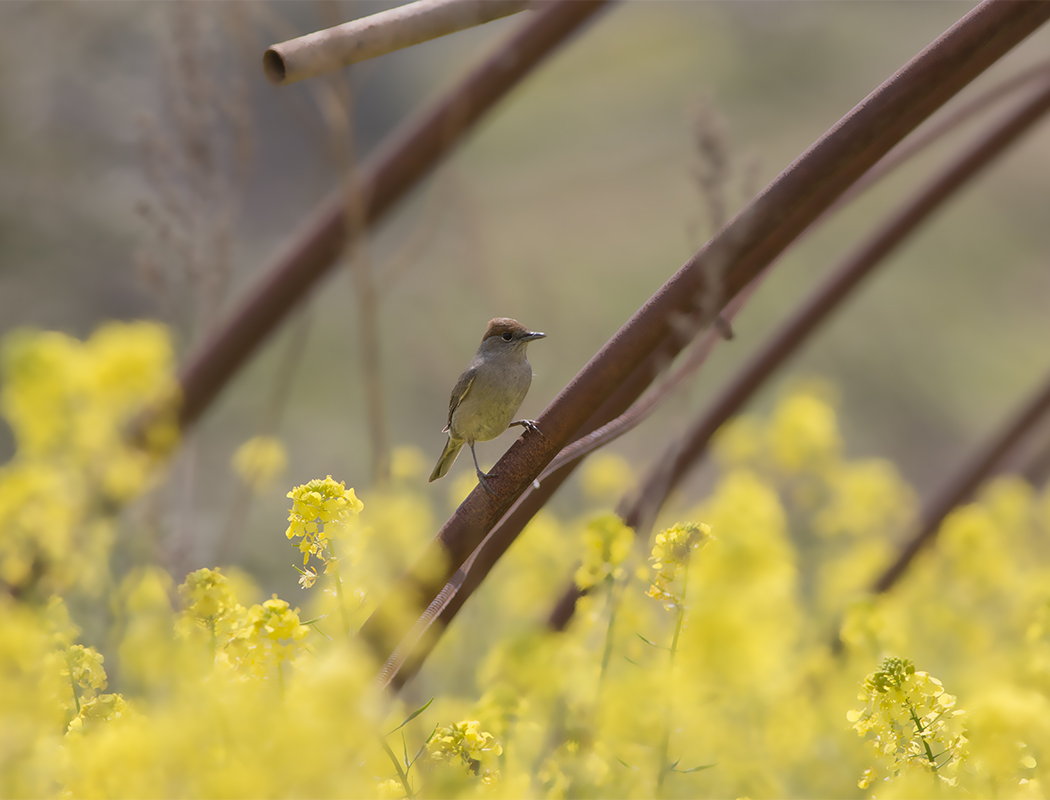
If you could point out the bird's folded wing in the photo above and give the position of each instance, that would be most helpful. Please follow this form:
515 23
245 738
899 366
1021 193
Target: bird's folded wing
459 391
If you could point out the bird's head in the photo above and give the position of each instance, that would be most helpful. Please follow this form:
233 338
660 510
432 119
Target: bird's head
504 334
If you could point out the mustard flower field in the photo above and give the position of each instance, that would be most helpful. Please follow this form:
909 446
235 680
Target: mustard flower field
737 653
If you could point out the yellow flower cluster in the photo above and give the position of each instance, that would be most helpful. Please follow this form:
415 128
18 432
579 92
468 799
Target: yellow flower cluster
407 463
82 667
271 633
670 561
803 432
910 720
738 693
607 543
69 405
466 744
229 725
68 401
259 461
209 600
801 435
605 477
249 641
321 510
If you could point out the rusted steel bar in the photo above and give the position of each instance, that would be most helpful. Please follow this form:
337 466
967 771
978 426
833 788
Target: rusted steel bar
408 656
672 466
737 253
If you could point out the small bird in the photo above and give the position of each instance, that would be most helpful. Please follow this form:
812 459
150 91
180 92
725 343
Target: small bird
489 393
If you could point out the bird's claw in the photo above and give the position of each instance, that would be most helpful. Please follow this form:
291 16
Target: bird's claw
529 425
482 479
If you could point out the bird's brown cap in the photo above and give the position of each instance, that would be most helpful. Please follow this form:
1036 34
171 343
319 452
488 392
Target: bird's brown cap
504 325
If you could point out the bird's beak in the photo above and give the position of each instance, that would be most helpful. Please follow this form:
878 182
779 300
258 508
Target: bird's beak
534 335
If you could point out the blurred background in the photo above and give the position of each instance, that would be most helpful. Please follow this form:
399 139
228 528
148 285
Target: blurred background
150 171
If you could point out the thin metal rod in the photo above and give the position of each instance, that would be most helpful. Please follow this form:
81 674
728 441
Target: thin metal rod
640 510
964 483
737 253
405 158
376 35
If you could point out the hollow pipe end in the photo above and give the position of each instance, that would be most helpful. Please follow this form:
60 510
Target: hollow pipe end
273 67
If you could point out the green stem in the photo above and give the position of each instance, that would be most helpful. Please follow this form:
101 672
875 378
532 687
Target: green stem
681 610
925 744
76 694
665 741
611 600
665 745
677 630
401 774
341 597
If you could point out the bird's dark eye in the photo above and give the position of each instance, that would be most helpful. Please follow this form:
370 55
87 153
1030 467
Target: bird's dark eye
508 336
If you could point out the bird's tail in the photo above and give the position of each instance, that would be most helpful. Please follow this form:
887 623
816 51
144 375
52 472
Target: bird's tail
448 458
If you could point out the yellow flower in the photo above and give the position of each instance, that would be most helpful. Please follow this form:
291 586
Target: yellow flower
320 508
61 629
390 789
103 708
608 543
911 720
83 666
259 460
868 778
69 404
307 577
266 635
71 400
275 620
605 476
207 596
670 557
407 463
739 442
463 741
868 499
803 433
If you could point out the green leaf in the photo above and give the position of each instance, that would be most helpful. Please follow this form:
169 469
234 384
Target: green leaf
422 748
692 769
313 624
413 715
626 764
650 642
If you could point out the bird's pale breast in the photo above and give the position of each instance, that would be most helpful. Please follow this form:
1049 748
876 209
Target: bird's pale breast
492 401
